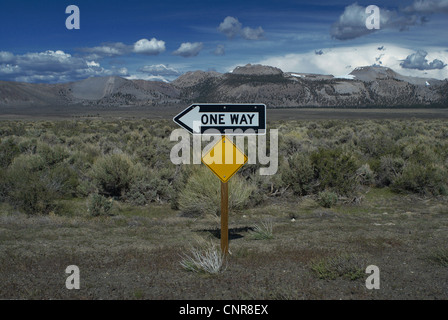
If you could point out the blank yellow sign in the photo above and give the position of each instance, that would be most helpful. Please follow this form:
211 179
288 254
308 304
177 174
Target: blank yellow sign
224 159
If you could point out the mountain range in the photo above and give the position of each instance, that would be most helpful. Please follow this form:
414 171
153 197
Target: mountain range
371 86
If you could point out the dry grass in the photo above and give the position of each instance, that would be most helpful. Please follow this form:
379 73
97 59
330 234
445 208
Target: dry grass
208 259
263 230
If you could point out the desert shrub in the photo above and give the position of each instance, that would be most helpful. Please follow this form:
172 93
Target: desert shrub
85 187
28 190
374 141
113 174
28 146
8 150
423 179
81 160
389 169
3 184
266 186
327 199
91 151
202 193
154 153
294 141
299 174
179 180
335 169
149 185
61 179
365 175
52 155
98 205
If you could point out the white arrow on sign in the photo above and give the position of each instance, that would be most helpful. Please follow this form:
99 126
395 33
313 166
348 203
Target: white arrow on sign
248 118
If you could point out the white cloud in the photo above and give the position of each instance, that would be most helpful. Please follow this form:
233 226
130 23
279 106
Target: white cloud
108 50
159 70
188 49
147 77
230 27
352 22
341 61
51 66
6 57
252 34
418 61
92 64
149 47
9 69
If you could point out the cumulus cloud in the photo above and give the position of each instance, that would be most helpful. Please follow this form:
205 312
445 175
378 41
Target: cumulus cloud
149 47
219 50
50 66
188 49
341 61
6 57
418 61
231 27
252 34
352 23
159 70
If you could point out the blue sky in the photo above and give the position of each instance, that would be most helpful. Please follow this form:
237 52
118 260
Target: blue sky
162 39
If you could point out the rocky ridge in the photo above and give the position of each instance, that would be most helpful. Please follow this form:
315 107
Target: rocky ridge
370 86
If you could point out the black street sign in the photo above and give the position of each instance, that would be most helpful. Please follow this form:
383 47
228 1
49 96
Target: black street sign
223 119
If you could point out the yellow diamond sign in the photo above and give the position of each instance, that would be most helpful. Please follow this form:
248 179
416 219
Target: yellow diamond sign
224 159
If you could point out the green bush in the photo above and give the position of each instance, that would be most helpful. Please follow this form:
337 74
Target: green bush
327 199
3 184
423 179
335 170
27 188
113 174
202 193
52 155
61 180
365 174
299 174
99 205
150 186
8 150
388 170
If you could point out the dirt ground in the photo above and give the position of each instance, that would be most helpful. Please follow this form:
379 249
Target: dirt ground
136 253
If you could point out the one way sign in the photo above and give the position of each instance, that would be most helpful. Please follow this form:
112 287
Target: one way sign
223 118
